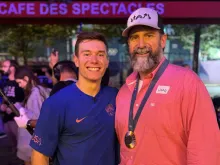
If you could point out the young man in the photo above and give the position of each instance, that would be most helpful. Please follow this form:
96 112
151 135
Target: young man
76 125
164 113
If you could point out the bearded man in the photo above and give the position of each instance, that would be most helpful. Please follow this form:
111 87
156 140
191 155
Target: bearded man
164 114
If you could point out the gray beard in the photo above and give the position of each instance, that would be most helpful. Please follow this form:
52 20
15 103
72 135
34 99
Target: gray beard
145 63
142 64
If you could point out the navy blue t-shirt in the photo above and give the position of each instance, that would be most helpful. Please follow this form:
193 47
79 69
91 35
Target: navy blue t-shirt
75 128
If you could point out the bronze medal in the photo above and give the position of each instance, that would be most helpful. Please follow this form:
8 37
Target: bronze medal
130 139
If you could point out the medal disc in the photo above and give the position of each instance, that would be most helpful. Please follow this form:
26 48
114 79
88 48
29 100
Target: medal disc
130 140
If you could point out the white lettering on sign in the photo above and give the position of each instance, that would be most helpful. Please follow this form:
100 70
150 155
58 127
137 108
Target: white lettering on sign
76 8
30 9
103 8
3 11
115 8
113 5
95 9
17 8
53 9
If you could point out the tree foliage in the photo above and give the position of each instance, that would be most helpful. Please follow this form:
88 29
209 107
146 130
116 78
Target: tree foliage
209 39
21 39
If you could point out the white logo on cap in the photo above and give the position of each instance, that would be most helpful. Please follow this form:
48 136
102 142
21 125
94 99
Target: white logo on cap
162 89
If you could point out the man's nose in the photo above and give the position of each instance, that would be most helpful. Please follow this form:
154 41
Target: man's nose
94 59
141 42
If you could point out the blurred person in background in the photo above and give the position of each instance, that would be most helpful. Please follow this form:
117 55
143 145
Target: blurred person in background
65 73
216 103
186 66
35 94
53 60
10 88
48 72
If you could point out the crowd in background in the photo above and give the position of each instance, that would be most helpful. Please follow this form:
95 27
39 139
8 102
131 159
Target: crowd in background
24 89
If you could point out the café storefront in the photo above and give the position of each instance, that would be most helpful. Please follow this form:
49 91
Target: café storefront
194 14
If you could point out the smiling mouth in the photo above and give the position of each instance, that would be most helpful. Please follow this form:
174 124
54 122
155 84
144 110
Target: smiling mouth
93 68
143 54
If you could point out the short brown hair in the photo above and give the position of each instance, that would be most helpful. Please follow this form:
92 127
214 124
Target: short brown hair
89 36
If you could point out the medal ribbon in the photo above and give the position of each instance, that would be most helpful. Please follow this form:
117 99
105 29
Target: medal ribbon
133 122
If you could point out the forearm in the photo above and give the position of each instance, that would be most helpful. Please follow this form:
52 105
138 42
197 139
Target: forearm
47 74
38 158
54 80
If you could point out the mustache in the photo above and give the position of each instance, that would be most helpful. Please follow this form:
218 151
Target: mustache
143 50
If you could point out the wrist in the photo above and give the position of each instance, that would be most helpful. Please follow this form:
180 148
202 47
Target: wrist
29 127
28 123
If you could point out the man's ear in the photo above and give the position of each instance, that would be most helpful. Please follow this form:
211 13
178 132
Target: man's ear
73 57
163 40
76 60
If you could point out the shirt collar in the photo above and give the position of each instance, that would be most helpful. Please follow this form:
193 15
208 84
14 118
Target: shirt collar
70 79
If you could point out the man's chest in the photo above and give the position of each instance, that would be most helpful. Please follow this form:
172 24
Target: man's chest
160 114
84 119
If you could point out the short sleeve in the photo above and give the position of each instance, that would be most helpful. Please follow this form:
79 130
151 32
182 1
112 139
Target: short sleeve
48 128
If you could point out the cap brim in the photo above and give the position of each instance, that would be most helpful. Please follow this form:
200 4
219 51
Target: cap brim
126 31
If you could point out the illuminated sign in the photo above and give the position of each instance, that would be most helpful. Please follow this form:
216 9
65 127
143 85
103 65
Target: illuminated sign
75 9
118 9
